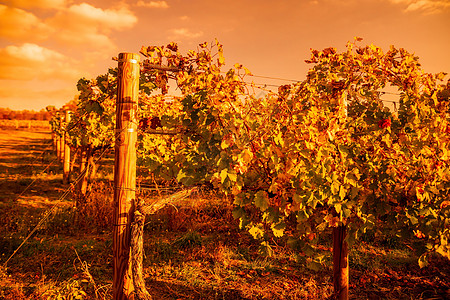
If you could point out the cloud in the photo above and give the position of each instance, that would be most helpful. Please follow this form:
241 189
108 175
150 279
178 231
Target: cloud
31 52
153 4
31 61
18 24
89 26
32 71
184 33
88 40
118 19
426 6
48 4
79 24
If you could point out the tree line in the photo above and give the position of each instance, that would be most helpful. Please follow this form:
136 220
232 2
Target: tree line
8 114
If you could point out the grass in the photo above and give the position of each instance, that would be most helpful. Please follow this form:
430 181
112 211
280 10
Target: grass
194 251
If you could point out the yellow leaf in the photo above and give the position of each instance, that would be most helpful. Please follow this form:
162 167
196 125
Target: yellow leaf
246 156
335 188
342 192
279 139
256 232
278 229
223 175
247 71
232 176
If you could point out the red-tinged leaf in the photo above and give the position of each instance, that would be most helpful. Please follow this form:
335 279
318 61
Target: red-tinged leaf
384 123
155 122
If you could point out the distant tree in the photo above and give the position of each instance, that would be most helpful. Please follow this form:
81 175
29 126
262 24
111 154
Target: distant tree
12 115
4 112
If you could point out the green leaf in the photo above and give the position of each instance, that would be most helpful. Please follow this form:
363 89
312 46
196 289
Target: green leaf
316 263
322 226
343 150
94 106
346 212
354 192
311 200
147 87
302 216
238 212
351 178
185 179
262 200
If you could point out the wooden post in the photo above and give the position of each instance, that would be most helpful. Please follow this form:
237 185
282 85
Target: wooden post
58 146
83 158
66 165
54 141
61 140
125 172
61 146
340 263
83 170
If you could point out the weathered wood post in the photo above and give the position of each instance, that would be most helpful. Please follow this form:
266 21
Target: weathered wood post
54 140
66 165
82 184
61 141
58 146
61 146
340 262
125 172
340 246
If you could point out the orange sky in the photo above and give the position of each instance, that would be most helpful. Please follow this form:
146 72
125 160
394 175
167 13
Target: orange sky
47 45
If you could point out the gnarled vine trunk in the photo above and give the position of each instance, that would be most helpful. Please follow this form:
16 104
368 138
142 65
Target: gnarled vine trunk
340 263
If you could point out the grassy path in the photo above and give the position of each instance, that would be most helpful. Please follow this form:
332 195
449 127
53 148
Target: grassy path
27 156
